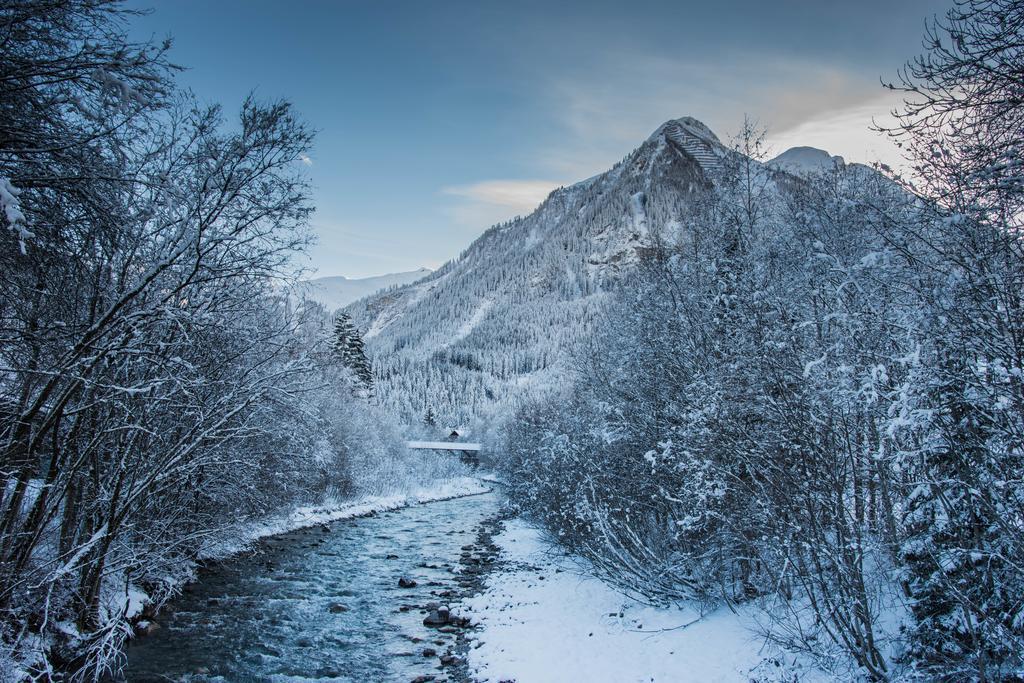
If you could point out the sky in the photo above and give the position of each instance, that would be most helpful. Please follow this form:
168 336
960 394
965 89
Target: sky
436 119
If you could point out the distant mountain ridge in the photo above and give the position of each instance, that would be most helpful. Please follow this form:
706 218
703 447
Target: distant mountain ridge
495 324
339 291
806 160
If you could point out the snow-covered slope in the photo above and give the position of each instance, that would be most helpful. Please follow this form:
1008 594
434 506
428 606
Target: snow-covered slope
337 292
496 324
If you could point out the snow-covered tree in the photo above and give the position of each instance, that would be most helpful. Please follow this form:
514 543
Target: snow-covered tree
961 124
158 388
348 348
755 417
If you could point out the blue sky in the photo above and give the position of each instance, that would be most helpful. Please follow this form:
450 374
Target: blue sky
436 119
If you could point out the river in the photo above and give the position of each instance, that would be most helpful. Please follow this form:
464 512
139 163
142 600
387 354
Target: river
319 604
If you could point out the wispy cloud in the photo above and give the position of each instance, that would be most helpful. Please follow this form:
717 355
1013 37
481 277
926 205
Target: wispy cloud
359 251
488 202
304 158
848 133
602 115
605 113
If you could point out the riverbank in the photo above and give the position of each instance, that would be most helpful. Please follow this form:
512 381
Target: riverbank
541 618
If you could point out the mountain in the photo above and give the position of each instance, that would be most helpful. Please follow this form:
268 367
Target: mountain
337 292
494 325
803 160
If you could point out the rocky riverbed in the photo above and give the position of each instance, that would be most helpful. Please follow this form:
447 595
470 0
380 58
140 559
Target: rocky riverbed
366 599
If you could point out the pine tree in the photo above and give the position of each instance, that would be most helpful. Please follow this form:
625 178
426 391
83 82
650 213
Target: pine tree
429 420
348 347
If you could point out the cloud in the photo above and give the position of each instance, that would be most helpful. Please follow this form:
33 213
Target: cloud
847 132
305 159
358 251
487 202
508 193
600 115
607 111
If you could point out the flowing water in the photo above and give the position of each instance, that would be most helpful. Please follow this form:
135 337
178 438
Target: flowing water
318 605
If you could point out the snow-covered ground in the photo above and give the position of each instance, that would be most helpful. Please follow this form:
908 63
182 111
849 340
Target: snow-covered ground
471 323
543 620
490 477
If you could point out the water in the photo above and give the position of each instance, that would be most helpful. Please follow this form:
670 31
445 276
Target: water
269 617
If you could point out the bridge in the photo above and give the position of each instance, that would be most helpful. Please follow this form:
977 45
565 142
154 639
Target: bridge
469 453
443 446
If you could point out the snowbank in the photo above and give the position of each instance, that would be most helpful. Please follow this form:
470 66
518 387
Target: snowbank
490 477
543 621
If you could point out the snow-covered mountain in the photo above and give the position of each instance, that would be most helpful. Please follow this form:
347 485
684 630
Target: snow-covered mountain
339 291
496 323
803 160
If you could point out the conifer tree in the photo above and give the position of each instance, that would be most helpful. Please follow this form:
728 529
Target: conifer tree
348 347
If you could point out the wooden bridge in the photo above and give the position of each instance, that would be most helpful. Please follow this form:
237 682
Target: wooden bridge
468 452
443 446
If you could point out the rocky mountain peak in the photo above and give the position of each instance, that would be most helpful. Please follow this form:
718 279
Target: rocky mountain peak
689 126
